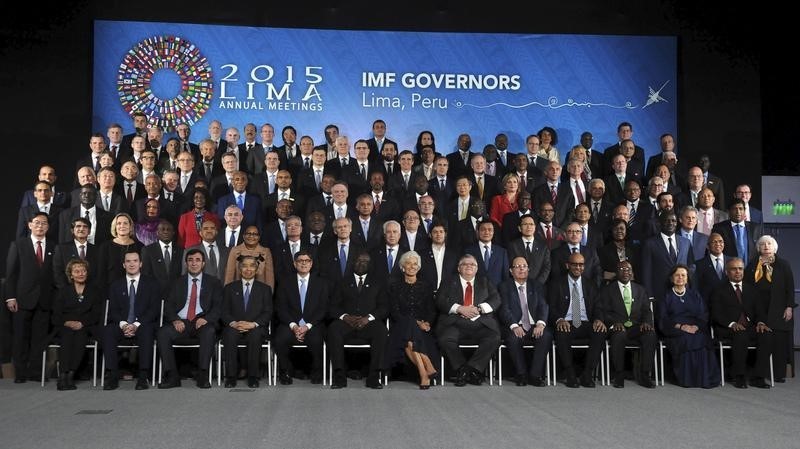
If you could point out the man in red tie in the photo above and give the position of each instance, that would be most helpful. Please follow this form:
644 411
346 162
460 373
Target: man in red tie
467 305
192 310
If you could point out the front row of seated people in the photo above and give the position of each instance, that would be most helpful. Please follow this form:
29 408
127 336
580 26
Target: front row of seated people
428 311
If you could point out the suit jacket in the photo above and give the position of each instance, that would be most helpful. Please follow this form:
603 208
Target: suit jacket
699 243
26 281
449 266
255 159
330 269
65 252
222 261
442 197
538 260
380 262
166 210
117 203
374 150
270 202
209 296
219 187
726 308
755 215
371 300
497 271
614 193
421 240
306 182
259 307
120 187
457 166
511 309
705 276
452 293
216 172
102 227
283 261
591 264
781 295
26 213
147 305
491 187
611 307
374 237
510 228
153 264
334 167
395 185
287 302
253 215
559 293
716 185
752 234
656 263
60 199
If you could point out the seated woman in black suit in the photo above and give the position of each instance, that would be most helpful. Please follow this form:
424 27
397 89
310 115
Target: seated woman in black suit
617 250
412 311
76 312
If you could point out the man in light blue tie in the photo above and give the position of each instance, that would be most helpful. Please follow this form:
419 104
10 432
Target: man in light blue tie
739 235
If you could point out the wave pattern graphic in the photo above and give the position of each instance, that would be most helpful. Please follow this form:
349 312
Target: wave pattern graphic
552 103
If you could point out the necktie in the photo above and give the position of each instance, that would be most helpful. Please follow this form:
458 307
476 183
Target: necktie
428 224
184 182
172 164
240 201
249 147
578 192
741 246
212 261
283 229
553 193
390 259
463 209
632 213
303 290
465 158
441 184
232 240
576 305
246 294
596 211
291 152
306 163
88 216
82 251
293 248
363 172
342 258
742 317
96 164
528 248
344 162
628 300
131 302
468 294
130 193
523 305
316 240
360 283
672 254
584 235
480 186
169 196
621 180
377 204
317 177
208 170
389 168
486 256
548 234
694 199
718 267
522 185
283 196
39 253
271 183
365 228
167 258
191 313
114 151
574 249
503 157
405 180
339 212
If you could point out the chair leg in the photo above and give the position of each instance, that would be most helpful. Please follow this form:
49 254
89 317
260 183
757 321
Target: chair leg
721 366
500 365
219 363
772 372
324 365
155 349
441 364
44 359
94 365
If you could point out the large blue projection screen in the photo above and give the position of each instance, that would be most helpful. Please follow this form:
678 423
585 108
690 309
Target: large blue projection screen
449 83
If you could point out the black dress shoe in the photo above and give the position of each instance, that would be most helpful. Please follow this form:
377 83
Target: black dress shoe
316 380
759 383
780 380
112 383
374 383
20 380
230 382
202 382
619 382
252 382
171 382
521 380
142 383
587 382
474 377
338 385
285 379
571 382
354 374
536 381
646 382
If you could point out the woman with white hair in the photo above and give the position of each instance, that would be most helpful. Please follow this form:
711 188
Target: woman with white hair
774 281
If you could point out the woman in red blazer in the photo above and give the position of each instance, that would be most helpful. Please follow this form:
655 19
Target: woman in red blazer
190 222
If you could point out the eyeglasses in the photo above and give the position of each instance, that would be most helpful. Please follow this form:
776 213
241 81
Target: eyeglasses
468 264
519 267
303 260
574 231
252 234
411 219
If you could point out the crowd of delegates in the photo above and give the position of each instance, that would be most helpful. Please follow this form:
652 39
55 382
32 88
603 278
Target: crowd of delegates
311 245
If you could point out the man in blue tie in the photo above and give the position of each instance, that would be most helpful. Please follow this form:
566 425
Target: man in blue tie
739 235
246 314
302 308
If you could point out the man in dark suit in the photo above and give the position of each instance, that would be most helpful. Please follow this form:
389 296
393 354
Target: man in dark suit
368 229
77 248
440 261
302 307
386 256
511 220
524 316
737 320
46 173
28 295
378 140
467 306
661 253
133 312
688 223
340 254
532 249
572 300
191 312
740 236
140 129
601 207
484 186
289 150
624 308
505 158
255 158
283 253
358 309
100 219
744 193
459 160
441 178
624 132
710 270
591 264
162 259
246 315
492 259
216 255
43 193
468 228
249 203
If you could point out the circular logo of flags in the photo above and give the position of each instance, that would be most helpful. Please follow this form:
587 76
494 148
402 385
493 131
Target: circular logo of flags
168 79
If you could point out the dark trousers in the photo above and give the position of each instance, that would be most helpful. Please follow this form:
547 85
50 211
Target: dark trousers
579 335
205 337
30 336
647 342
373 333
253 338
284 339
144 338
465 331
781 345
541 347
72 347
739 342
